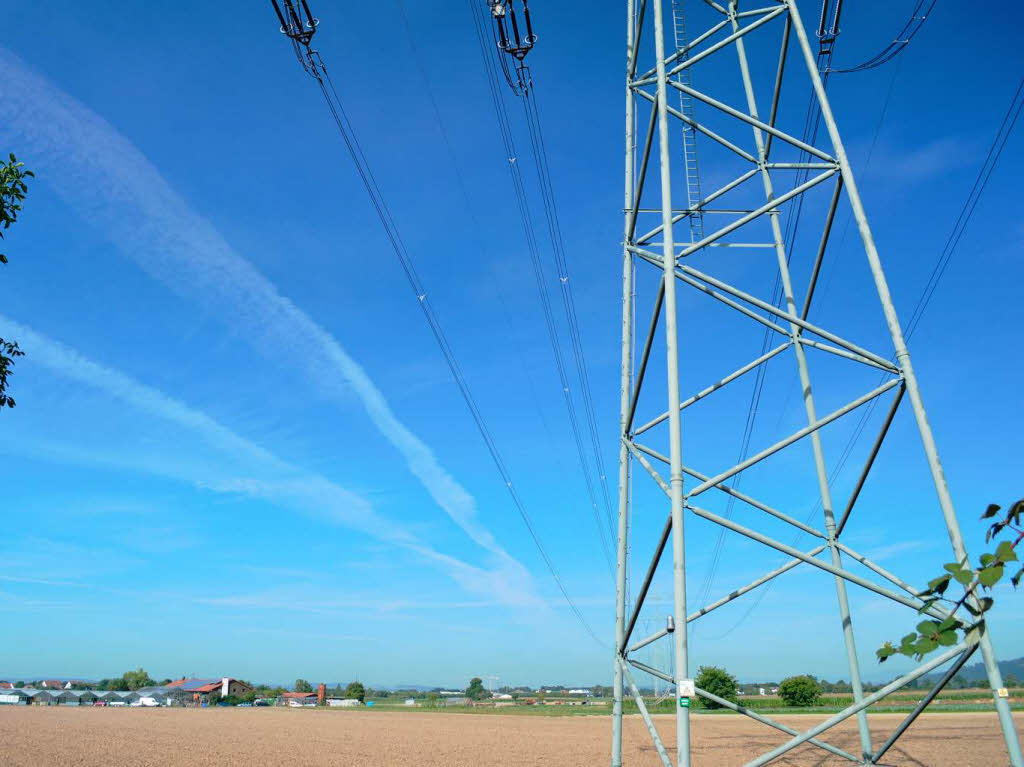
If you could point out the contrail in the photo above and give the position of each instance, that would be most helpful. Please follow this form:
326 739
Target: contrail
113 186
267 476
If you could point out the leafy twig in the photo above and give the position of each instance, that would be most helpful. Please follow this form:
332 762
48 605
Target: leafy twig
976 582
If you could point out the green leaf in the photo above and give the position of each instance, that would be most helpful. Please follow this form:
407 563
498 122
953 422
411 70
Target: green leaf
926 605
927 628
990 576
1005 552
985 604
951 622
1016 512
952 567
1015 580
947 638
924 646
964 576
994 531
991 511
885 651
940 584
986 559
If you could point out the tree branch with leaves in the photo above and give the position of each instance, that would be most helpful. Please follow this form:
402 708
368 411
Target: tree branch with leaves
13 189
977 584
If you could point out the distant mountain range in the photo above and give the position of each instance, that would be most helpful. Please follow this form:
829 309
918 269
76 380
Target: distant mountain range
976 671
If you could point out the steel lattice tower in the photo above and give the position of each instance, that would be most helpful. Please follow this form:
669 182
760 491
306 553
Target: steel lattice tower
654 265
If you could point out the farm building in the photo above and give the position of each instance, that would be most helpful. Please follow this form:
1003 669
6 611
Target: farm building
298 698
42 697
13 697
200 689
343 702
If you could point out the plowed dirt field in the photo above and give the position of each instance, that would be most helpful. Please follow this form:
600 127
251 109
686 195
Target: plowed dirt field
80 737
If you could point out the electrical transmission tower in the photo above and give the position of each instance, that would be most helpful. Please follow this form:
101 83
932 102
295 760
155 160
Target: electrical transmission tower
738 239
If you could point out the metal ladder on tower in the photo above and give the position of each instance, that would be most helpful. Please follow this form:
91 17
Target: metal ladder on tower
685 77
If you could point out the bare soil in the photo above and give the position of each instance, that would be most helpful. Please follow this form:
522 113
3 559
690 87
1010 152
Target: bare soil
109 737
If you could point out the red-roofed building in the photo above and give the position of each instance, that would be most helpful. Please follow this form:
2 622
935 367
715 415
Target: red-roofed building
201 688
6 685
52 684
299 698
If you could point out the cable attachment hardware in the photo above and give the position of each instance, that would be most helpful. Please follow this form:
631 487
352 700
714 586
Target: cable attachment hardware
504 11
511 40
297 21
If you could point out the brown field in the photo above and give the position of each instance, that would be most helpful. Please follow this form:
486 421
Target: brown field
80 737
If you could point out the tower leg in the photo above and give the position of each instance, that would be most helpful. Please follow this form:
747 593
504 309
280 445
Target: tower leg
675 417
913 390
625 395
846 620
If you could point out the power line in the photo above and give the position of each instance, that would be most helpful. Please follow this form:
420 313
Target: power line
966 211
314 65
464 191
812 123
899 43
501 114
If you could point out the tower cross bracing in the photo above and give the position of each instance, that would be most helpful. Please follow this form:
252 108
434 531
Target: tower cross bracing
770 170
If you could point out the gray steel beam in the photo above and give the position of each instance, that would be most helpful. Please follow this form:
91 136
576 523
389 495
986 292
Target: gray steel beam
914 604
658 745
753 584
856 708
809 429
701 128
646 79
644 357
675 424
995 678
845 618
923 704
625 384
870 461
715 386
710 198
772 723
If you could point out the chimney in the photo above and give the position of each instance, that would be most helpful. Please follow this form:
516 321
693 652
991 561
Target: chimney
321 694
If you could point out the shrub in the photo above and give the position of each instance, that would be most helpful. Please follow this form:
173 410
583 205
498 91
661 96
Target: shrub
718 682
800 690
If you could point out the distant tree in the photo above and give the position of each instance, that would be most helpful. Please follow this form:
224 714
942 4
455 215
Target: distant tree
476 689
12 191
168 680
19 684
718 682
133 680
1011 681
213 698
800 690
355 690
301 685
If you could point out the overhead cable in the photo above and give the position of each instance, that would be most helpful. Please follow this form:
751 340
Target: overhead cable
294 24
487 53
899 43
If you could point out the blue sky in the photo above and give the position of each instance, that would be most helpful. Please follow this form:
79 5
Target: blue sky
236 448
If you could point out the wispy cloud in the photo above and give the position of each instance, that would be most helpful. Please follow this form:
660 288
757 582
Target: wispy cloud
917 163
267 477
112 185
